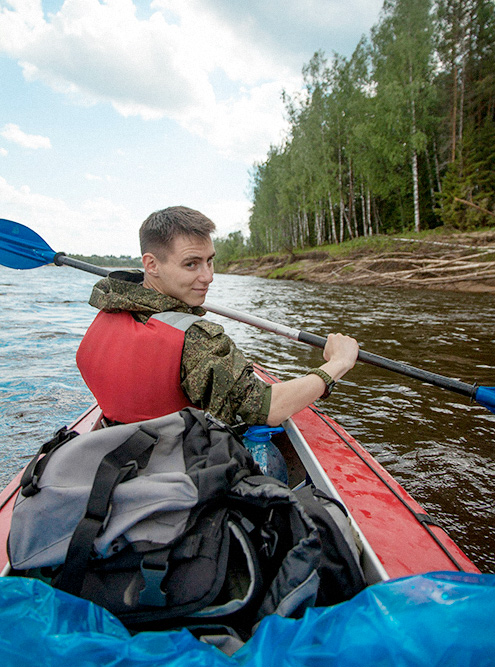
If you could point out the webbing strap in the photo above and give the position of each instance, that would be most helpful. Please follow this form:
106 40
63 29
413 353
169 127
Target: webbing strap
33 472
113 469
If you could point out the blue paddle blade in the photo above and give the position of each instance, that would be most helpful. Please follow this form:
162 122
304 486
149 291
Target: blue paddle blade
21 248
485 396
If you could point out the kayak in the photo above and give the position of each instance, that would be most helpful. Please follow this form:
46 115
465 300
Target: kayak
399 538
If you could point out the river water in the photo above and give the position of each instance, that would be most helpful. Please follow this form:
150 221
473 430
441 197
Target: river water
435 443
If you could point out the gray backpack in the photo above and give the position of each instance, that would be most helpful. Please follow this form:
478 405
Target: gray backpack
168 523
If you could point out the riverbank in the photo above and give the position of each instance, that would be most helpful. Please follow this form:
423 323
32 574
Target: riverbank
462 262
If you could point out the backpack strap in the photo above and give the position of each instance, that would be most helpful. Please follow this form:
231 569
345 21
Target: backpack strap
35 468
118 465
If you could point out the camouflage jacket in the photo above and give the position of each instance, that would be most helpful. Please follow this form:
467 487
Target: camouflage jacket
215 375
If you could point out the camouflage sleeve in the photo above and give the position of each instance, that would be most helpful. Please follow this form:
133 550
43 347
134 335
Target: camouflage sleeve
217 377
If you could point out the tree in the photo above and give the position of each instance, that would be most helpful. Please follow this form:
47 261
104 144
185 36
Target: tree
466 31
402 72
230 248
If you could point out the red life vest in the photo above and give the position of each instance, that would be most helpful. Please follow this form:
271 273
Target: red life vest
133 369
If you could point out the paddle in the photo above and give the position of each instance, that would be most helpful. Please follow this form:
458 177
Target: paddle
22 248
485 396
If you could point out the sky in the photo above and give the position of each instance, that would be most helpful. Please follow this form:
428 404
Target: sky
112 109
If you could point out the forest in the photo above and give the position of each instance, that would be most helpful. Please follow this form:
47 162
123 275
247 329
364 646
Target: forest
400 136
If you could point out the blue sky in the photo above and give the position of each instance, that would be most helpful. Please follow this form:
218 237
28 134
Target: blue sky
111 109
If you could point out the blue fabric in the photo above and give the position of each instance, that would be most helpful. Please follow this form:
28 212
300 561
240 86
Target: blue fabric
436 619
21 247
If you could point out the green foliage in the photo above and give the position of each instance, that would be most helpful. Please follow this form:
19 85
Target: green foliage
468 195
288 269
390 139
230 248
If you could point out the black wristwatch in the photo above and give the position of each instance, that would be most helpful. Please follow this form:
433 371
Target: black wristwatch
330 384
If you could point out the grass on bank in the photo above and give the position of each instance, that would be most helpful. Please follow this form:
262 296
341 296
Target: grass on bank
390 242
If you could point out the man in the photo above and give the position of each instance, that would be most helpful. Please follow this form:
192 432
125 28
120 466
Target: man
141 363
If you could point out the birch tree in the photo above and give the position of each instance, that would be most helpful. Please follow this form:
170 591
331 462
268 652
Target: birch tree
402 58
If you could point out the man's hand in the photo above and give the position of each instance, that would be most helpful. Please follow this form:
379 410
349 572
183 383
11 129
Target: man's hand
289 397
341 352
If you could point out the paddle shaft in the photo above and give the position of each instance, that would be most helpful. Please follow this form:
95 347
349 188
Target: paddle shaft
62 259
442 381
22 248
367 357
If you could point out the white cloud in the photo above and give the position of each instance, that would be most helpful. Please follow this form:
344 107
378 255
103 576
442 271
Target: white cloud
156 67
13 133
297 28
101 179
228 215
99 225
242 128
102 52
96 226
4 152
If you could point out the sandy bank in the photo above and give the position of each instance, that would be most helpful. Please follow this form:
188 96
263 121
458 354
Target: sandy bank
460 262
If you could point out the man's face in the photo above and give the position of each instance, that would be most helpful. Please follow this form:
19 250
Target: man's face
186 271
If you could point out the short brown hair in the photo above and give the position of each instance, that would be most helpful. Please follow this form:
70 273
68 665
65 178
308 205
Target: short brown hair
160 228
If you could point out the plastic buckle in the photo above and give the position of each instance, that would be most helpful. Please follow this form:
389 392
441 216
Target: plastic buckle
152 595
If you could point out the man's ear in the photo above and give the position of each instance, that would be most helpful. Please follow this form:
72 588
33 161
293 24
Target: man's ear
150 263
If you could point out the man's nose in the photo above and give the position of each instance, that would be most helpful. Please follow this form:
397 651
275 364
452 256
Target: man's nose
206 275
